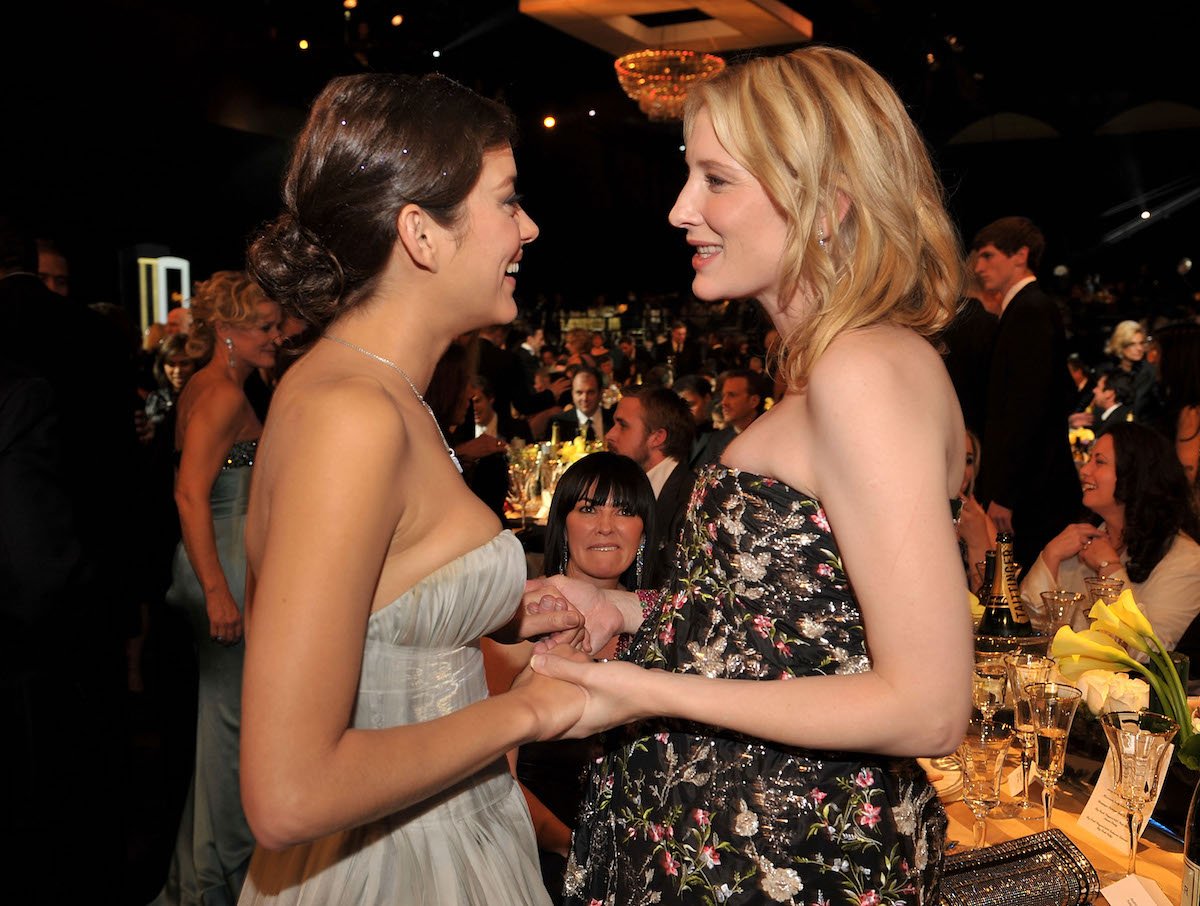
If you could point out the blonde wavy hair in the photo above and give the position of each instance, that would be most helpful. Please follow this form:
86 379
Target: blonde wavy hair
227 297
818 128
1122 335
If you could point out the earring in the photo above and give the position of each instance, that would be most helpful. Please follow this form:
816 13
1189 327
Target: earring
821 240
640 557
229 347
565 558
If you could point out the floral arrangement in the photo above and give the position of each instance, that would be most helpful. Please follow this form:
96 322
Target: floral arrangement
1081 439
1101 647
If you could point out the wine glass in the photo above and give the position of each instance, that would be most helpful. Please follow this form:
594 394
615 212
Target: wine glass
1051 710
1059 606
1102 589
1024 669
522 474
980 757
1138 741
988 684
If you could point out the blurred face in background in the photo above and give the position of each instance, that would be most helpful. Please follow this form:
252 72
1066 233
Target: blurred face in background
1135 349
585 393
738 403
178 368
54 272
697 405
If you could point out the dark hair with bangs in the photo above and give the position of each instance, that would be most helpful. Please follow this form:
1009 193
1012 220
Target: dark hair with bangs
600 477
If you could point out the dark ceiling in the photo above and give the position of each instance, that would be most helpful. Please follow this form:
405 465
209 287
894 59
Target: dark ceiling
142 122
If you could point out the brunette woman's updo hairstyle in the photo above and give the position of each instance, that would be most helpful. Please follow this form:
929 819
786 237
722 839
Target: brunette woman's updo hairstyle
227 297
372 144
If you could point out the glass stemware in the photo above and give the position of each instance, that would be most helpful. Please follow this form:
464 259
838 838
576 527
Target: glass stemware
988 684
1058 610
980 757
1102 589
1024 669
1138 742
1051 710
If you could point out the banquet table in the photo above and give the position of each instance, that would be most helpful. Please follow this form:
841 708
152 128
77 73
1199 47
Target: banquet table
1160 856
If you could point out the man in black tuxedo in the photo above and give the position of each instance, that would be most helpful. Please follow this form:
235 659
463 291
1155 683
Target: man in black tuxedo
969 340
1111 400
1028 480
679 351
587 418
507 375
653 427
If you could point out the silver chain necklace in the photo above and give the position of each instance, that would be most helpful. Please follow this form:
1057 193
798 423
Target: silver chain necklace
407 380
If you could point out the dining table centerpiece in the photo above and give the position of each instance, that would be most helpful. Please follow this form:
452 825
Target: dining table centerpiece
1118 630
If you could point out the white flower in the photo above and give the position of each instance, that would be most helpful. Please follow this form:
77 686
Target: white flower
1127 693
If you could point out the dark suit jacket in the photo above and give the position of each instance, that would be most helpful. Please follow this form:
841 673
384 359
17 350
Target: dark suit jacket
1026 458
506 374
709 446
568 424
670 509
969 339
1121 414
687 361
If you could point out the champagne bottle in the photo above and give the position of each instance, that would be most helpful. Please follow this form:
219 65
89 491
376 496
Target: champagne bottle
554 435
1003 613
1191 853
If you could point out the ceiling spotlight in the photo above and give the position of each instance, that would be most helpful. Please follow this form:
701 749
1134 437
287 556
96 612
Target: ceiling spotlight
549 122
1184 266
436 54
1145 215
397 19
591 113
303 45
350 4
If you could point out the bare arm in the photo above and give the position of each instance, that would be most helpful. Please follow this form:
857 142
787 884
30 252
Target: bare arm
212 428
887 503
341 497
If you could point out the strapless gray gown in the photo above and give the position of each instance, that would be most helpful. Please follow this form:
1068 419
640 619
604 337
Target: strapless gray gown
214 845
471 844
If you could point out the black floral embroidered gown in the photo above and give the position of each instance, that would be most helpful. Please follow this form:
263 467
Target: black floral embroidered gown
676 812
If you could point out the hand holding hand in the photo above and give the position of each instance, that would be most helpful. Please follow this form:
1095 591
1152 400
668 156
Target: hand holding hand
557 705
611 688
602 617
550 615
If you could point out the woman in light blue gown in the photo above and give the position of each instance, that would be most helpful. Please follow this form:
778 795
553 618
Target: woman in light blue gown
236 328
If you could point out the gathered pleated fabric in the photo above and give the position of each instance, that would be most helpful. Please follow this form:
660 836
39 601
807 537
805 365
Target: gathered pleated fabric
472 843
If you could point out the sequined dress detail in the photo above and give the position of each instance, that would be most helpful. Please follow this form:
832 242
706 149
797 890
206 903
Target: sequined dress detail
676 812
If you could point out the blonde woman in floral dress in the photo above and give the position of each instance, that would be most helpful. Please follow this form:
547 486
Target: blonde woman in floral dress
813 638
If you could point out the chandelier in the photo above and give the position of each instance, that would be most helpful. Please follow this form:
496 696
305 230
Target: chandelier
659 79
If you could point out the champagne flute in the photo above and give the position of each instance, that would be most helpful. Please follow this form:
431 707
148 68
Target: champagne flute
981 756
988 684
1059 606
1138 742
1024 669
1051 709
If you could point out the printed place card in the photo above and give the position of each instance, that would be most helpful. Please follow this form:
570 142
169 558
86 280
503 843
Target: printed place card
1105 817
1135 891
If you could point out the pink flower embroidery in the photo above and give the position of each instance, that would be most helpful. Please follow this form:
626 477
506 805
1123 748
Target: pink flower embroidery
818 796
656 832
700 816
869 898
594 902
784 648
661 737
868 815
670 866
820 521
824 569
667 636
864 779
679 600
710 857
762 625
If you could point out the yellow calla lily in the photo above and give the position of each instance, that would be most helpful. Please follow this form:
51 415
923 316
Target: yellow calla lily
1127 611
1091 644
1106 619
1072 666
